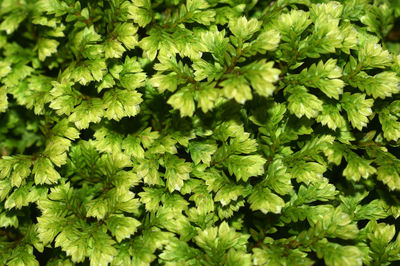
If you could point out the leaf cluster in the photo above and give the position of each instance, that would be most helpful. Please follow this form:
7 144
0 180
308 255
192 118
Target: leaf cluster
199 132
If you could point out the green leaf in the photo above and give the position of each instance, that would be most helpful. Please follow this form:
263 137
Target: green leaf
23 255
44 172
24 195
326 36
183 101
358 109
5 188
121 103
197 12
87 40
64 98
350 36
236 87
103 250
240 142
226 237
122 227
151 197
106 83
158 40
335 223
262 75
21 169
338 255
228 193
267 40
372 55
244 167
63 129
308 172
321 191
264 200
89 70
378 19
388 116
388 170
12 20
207 98
56 150
275 255
5 68
148 170
113 49
177 171
381 85
278 178
179 252
205 70
7 219
332 9
127 35
52 7
215 42
37 95
357 167
331 116
140 11
243 29
238 258
89 111
46 47
380 235
325 76
98 208
202 151
302 103
373 210
163 82
132 146
78 244
292 24
130 80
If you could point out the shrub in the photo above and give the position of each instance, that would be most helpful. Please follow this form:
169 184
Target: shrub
199 132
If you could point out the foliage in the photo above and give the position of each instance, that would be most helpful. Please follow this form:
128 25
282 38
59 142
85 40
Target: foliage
199 132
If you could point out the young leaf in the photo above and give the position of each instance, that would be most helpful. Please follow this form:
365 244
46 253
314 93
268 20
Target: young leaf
245 167
302 103
177 170
264 200
358 109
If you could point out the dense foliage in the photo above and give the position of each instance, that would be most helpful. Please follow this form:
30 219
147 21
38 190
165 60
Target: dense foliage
199 132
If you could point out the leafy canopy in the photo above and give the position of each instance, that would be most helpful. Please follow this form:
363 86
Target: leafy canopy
199 132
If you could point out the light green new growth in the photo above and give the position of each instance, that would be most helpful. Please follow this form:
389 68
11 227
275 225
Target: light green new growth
199 132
